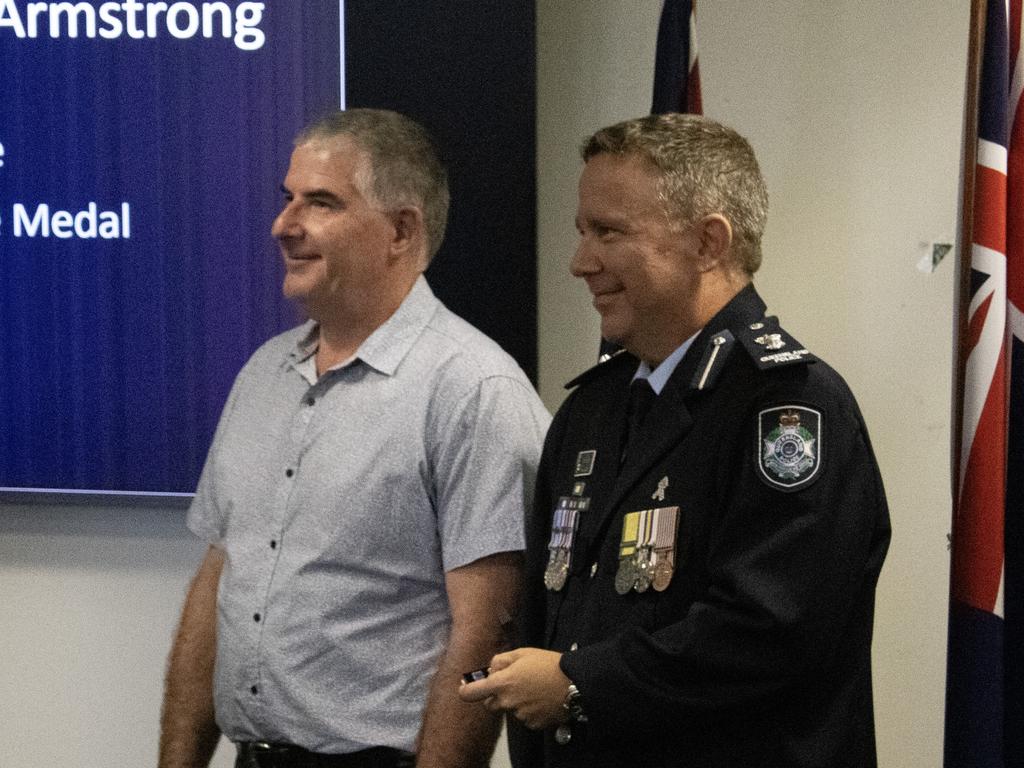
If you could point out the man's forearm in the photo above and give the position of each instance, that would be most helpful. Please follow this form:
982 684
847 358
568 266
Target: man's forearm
481 595
188 730
456 734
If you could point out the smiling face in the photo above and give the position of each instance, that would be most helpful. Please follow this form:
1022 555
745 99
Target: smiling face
336 243
643 271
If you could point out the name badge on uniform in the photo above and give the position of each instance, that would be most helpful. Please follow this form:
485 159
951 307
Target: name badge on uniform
564 523
647 550
584 463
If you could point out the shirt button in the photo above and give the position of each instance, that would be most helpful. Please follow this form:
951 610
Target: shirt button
254 690
289 472
310 400
273 544
256 617
574 647
593 570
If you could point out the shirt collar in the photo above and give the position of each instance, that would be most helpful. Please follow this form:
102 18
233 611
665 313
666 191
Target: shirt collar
385 348
659 377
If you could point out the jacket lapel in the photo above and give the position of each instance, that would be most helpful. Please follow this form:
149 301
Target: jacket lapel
670 418
666 425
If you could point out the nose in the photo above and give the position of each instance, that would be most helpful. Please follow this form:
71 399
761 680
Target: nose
583 262
286 223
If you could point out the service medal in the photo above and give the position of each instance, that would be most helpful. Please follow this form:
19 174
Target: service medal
643 572
662 575
565 520
666 528
561 575
549 572
625 577
647 531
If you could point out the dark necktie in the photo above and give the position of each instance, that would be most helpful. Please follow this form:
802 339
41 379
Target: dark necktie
641 398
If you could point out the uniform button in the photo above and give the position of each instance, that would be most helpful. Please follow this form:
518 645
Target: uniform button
574 647
256 617
273 544
310 400
593 570
289 472
254 690
563 735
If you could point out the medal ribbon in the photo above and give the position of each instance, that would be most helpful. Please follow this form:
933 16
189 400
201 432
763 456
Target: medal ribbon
630 528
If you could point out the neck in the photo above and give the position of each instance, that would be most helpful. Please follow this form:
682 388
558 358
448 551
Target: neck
718 290
343 331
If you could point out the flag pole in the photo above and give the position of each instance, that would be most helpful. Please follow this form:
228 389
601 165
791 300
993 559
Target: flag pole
962 293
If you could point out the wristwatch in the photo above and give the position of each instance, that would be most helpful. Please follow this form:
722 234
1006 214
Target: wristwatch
574 705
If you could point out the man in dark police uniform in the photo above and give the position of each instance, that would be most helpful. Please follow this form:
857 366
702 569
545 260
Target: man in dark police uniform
710 521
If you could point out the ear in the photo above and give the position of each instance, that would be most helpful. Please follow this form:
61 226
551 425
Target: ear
409 237
715 234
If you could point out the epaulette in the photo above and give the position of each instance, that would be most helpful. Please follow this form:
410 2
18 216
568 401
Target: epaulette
719 347
607 363
769 346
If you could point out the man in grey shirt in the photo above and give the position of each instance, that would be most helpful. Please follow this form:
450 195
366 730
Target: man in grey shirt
364 494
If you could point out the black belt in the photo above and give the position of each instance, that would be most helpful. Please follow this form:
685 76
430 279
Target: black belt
258 754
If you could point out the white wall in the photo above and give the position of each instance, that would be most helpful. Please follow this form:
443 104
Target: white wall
854 108
90 599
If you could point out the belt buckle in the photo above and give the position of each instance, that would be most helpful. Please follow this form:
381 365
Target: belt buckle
262 754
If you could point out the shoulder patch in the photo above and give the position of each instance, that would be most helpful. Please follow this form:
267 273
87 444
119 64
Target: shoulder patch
605 364
789 446
769 346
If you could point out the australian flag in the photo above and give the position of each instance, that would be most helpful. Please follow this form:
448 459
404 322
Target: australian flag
985 673
676 66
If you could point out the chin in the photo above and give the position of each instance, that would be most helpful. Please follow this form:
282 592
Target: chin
613 332
295 288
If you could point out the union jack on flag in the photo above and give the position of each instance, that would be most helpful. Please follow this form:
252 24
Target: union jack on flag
985 659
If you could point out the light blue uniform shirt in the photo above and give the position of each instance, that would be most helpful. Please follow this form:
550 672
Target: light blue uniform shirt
340 504
659 377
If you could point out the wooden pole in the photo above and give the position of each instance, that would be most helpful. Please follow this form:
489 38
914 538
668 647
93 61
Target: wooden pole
962 292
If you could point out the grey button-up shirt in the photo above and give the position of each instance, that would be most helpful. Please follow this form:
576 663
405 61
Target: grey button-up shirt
340 503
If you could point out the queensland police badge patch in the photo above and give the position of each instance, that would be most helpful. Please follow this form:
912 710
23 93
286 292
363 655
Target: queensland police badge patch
789 446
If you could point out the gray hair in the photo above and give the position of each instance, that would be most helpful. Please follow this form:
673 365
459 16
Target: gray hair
705 168
405 168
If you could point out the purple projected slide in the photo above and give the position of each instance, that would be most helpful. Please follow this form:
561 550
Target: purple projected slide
142 146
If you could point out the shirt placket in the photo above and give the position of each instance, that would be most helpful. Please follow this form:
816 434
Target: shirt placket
287 499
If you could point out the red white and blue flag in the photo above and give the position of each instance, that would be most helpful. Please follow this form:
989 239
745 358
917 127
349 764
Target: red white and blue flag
984 711
676 68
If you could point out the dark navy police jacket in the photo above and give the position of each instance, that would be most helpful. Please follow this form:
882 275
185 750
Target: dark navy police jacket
758 652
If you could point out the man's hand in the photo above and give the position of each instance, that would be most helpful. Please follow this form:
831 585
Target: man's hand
526 682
